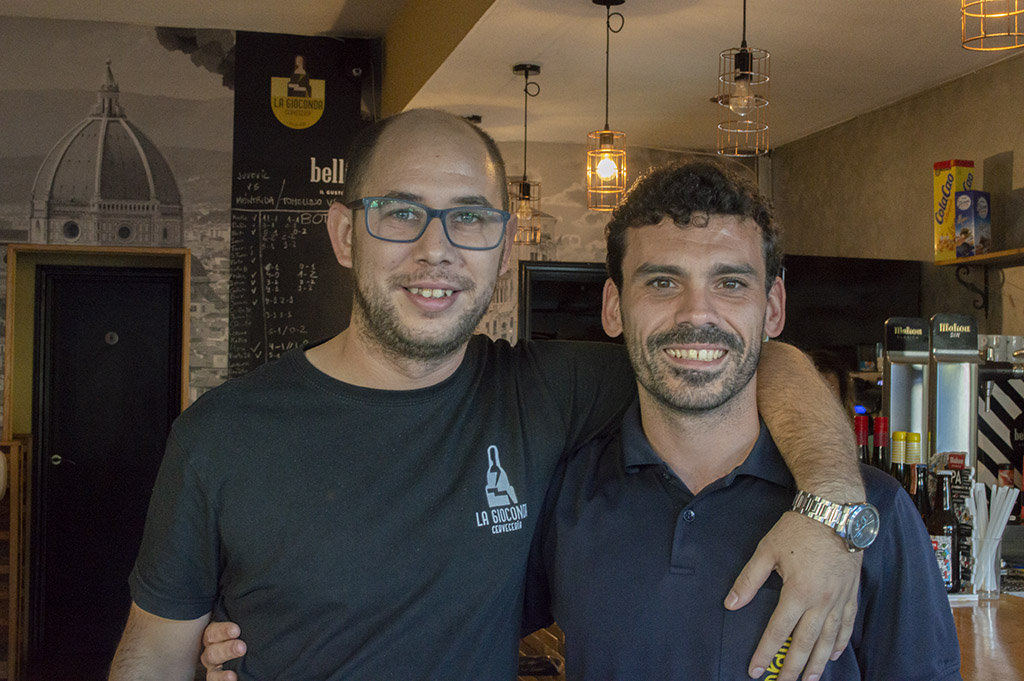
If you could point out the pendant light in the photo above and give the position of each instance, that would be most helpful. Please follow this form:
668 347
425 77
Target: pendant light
524 194
991 25
606 149
743 95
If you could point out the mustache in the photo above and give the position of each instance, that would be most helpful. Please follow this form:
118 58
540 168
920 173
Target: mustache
459 282
686 334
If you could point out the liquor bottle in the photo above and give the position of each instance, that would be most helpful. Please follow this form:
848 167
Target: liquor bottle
921 500
899 451
944 529
880 454
916 476
860 428
911 458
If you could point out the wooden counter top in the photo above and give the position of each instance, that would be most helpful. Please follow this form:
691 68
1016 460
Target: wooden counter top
991 635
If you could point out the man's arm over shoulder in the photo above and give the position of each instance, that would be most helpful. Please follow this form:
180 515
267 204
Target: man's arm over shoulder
157 649
810 428
818 602
593 380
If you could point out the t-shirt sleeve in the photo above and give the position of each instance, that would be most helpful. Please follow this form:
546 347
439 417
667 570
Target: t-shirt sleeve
175 574
904 603
595 382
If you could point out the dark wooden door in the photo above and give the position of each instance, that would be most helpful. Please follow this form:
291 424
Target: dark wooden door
107 386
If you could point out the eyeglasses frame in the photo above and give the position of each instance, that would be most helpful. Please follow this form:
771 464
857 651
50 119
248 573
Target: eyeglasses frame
439 213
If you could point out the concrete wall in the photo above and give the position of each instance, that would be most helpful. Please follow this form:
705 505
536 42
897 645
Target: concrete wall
863 189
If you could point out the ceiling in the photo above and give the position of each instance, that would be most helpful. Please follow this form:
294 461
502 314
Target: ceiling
354 18
831 61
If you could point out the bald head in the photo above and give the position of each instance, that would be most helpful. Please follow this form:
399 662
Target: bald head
410 129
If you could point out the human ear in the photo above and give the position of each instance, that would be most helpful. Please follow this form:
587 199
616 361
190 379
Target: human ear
775 312
611 310
339 229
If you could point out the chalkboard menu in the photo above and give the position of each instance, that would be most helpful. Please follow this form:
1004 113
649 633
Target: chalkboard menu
297 107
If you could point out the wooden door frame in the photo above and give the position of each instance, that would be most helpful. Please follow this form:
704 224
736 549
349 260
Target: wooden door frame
19 370
20 340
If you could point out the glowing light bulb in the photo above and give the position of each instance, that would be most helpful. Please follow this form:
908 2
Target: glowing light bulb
606 168
741 102
524 213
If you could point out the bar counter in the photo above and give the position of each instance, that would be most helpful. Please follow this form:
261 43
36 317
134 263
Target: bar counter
991 635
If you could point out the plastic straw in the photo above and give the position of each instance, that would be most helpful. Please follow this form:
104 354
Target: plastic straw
990 520
981 504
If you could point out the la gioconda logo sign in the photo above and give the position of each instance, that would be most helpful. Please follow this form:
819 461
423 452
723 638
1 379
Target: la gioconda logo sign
298 100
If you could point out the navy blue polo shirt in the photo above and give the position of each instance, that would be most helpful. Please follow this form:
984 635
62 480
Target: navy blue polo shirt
635 568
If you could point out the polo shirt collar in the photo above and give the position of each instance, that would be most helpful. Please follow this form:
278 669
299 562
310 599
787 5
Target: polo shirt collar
763 462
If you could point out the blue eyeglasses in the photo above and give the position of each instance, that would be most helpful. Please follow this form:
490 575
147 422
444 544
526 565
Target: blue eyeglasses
475 228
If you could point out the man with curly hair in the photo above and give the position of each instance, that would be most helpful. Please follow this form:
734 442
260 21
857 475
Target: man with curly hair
659 514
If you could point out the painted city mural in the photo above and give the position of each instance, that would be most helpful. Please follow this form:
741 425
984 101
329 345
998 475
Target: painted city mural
116 134
113 134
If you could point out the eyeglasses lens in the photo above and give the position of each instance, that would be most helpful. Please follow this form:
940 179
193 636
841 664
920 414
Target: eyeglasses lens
475 227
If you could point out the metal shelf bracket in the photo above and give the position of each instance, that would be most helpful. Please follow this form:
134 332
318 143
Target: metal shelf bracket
981 303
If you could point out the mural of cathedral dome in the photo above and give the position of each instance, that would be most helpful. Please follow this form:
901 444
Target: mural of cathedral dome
106 183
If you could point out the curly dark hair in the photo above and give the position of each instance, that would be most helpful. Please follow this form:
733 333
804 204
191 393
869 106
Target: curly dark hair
360 151
681 190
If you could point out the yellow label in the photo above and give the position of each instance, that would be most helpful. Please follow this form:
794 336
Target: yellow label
775 668
297 112
947 182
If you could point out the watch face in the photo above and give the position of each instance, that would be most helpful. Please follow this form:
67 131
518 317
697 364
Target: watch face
863 526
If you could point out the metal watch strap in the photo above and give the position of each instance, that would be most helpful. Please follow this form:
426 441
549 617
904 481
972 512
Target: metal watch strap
829 513
857 524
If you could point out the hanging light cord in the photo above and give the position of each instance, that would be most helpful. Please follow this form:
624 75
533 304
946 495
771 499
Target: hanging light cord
744 43
607 47
527 93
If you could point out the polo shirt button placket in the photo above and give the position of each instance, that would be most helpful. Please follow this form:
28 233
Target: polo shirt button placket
684 559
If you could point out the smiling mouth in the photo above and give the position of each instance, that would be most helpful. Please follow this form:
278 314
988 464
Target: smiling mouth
431 292
702 355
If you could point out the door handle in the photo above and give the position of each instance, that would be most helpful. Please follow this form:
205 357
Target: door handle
57 460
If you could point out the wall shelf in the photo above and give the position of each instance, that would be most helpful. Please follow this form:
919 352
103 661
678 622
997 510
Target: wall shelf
1008 258
1012 257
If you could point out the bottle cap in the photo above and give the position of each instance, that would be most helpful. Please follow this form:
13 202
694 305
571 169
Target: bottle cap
860 428
881 429
913 451
899 446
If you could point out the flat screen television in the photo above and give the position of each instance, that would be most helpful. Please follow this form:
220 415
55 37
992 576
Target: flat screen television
842 303
561 300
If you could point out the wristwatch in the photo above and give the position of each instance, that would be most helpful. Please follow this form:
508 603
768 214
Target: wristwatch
857 524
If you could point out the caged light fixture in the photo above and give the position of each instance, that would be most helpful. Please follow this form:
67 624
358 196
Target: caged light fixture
991 25
606 149
743 95
524 194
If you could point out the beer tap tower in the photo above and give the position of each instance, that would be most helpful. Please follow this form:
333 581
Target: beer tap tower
953 378
905 374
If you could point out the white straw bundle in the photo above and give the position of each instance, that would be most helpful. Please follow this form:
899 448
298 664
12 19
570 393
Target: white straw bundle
990 520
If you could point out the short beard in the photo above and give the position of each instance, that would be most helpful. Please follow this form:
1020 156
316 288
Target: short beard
383 328
695 394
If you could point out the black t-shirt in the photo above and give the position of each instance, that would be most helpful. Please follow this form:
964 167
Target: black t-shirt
365 534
